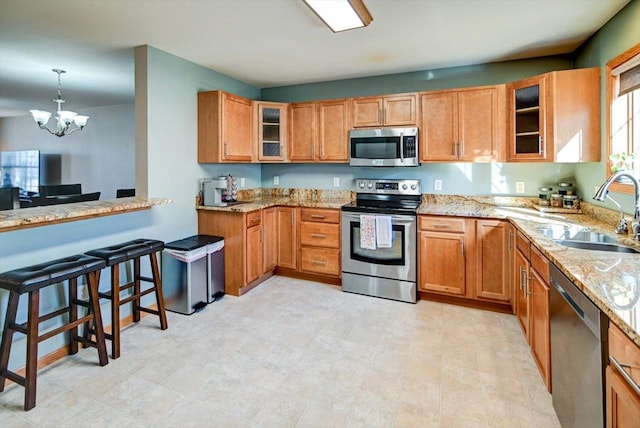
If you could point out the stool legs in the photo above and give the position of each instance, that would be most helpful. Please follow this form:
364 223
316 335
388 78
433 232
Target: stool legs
32 350
136 290
94 303
73 315
157 281
7 337
115 311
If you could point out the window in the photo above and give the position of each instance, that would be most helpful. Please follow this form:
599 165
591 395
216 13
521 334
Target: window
623 120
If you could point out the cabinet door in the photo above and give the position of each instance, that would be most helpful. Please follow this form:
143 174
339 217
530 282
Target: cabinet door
623 403
302 137
323 261
527 120
540 335
270 238
400 110
492 271
442 263
271 130
478 124
522 298
513 278
439 133
287 238
367 111
333 126
254 253
237 115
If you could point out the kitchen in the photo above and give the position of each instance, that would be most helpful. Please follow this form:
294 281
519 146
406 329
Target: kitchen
179 81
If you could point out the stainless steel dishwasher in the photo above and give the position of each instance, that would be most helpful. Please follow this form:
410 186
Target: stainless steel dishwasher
578 349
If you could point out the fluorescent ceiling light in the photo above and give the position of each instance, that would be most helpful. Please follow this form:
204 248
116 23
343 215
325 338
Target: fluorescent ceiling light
341 15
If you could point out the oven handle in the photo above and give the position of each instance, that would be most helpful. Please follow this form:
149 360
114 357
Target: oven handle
396 219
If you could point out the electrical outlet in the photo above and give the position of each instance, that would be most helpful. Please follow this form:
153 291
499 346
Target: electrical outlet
336 181
437 185
276 180
519 186
242 182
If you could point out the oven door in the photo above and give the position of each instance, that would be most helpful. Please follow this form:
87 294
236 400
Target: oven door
396 263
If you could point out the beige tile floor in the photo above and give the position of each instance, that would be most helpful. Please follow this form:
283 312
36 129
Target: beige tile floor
294 353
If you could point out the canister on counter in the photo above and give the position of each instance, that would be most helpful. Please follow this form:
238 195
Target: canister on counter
556 200
565 188
571 201
544 196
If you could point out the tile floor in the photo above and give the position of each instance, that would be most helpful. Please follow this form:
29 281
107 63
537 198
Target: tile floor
294 353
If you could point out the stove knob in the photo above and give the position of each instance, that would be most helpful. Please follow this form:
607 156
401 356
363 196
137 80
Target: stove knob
404 187
413 187
362 184
370 185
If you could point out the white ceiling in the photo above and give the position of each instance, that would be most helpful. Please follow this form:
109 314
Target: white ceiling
267 42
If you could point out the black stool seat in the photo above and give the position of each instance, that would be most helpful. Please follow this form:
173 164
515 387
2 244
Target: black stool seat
127 250
30 280
113 256
37 276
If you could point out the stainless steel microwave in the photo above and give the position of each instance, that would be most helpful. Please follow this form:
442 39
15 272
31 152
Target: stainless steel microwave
384 147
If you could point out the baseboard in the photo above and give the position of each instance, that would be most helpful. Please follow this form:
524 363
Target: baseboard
308 276
504 308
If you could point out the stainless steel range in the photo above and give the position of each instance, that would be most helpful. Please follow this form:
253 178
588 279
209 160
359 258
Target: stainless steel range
379 239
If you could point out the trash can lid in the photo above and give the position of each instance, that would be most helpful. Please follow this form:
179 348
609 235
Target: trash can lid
193 242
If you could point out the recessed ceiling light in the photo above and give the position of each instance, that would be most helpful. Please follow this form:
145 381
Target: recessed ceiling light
341 15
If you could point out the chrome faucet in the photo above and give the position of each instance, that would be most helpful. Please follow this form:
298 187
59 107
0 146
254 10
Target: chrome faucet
603 192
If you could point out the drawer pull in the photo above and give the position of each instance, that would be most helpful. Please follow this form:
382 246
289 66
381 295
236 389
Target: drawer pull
442 226
318 216
318 235
620 368
319 262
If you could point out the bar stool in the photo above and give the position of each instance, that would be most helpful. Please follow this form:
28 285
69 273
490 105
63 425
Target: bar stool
31 280
114 256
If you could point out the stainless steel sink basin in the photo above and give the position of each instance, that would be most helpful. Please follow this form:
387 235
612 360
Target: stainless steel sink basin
594 245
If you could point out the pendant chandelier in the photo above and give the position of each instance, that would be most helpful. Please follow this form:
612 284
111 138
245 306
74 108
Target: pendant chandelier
65 118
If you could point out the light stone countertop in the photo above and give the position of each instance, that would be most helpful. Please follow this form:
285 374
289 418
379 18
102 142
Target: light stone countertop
24 218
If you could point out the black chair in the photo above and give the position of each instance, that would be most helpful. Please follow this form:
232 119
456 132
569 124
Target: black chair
125 193
9 198
60 189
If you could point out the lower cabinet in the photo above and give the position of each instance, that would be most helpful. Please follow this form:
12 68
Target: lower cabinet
622 381
464 257
320 241
287 229
255 248
270 239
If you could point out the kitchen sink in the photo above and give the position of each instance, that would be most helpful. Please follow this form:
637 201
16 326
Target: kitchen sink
596 245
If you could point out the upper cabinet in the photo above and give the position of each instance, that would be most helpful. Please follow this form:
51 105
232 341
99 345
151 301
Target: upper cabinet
271 130
319 131
463 125
555 117
224 128
389 110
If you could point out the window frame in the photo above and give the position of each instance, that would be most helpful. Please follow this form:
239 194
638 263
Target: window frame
611 88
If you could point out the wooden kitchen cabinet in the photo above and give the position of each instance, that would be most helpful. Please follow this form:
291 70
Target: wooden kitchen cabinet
319 131
270 239
388 110
622 398
555 117
287 248
271 130
255 249
320 241
441 251
511 248
522 301
492 260
463 124
225 130
540 323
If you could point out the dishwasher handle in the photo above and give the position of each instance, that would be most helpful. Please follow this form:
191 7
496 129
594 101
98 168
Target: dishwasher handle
568 298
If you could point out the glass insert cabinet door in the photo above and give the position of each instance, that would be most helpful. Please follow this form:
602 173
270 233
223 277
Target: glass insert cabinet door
271 126
527 137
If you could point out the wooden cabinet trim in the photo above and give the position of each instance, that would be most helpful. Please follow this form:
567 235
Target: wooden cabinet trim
539 263
442 224
320 215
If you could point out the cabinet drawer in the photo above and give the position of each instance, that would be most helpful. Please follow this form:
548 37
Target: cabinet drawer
540 264
441 224
625 352
320 260
320 234
522 244
322 216
254 218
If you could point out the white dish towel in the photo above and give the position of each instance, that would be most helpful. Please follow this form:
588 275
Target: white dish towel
367 232
384 232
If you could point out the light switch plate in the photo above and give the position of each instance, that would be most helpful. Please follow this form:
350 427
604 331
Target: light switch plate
336 181
276 180
437 184
519 186
242 182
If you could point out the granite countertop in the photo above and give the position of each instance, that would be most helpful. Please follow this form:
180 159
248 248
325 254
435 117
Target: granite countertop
247 206
611 280
50 214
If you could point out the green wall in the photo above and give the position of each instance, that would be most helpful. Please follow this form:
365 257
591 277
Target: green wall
618 35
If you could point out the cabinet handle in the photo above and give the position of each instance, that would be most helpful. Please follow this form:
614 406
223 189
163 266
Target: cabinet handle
313 151
226 152
383 113
293 218
462 249
521 281
261 235
620 368
510 241
527 292
319 262
318 235
318 216
442 226
540 141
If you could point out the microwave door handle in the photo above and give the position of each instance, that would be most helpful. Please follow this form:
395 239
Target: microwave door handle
402 147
